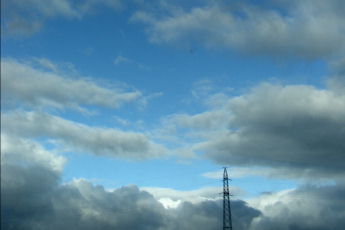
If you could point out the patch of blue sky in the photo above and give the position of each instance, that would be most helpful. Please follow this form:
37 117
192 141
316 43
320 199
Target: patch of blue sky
113 173
148 173
256 185
92 45
168 69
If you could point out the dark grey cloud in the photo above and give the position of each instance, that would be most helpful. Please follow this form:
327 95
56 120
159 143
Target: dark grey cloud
32 197
208 215
338 66
298 127
337 79
298 130
308 29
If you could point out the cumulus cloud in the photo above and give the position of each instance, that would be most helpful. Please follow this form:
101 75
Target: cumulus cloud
264 29
208 215
294 126
15 150
32 197
171 198
289 127
37 201
307 207
99 141
40 202
38 87
26 17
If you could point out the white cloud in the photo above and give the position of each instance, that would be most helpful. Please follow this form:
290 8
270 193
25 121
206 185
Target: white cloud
120 59
77 136
172 198
15 150
202 88
263 29
45 63
207 120
36 87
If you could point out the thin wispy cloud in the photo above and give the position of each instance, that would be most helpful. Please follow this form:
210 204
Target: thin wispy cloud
124 60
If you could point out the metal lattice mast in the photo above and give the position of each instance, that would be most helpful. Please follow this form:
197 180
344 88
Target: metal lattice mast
227 222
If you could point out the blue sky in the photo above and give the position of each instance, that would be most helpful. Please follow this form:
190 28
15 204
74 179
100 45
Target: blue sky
169 74
164 94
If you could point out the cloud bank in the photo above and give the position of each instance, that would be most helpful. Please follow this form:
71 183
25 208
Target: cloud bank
34 198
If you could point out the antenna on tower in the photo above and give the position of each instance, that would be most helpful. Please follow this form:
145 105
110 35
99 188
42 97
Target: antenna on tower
227 222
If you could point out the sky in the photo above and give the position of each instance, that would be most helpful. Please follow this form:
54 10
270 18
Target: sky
117 114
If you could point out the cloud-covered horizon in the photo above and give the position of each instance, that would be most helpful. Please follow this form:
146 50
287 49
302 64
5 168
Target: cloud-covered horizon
40 201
